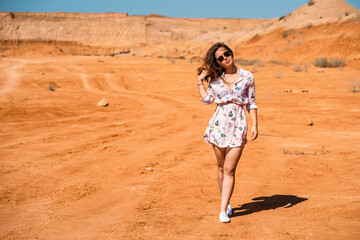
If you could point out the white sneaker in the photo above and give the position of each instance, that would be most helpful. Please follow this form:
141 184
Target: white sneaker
229 211
224 217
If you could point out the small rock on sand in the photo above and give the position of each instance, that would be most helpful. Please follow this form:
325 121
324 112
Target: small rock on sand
103 103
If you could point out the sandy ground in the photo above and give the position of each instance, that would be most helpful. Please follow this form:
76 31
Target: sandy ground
140 169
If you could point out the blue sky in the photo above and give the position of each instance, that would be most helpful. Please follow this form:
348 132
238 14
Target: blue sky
171 8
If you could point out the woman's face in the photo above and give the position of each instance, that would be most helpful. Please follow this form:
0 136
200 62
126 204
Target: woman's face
224 57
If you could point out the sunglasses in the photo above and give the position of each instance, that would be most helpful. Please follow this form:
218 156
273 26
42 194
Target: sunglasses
221 58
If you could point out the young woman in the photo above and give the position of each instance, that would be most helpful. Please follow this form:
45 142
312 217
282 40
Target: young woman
231 88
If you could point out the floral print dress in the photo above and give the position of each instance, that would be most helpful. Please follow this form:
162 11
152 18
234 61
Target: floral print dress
228 125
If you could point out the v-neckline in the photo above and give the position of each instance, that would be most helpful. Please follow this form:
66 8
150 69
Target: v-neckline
230 89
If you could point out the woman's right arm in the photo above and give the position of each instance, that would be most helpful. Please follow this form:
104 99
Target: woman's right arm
201 87
206 96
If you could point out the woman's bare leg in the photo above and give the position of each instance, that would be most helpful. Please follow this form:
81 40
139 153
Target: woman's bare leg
220 157
232 156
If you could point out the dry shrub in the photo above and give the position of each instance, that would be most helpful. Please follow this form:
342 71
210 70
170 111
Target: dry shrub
333 62
288 32
292 31
300 68
310 3
259 64
355 86
245 62
297 68
275 62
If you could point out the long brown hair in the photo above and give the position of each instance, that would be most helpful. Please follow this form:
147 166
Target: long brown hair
210 63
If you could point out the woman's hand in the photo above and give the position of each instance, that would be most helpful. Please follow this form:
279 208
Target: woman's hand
254 132
202 76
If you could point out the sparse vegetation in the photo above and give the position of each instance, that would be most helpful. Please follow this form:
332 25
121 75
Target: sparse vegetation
281 18
297 68
245 62
333 62
288 32
308 26
355 86
310 3
300 68
181 57
259 63
322 151
347 13
275 62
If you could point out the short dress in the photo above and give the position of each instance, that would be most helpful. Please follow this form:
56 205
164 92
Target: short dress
228 125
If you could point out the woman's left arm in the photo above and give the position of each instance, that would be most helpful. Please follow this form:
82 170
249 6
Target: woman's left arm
254 126
252 107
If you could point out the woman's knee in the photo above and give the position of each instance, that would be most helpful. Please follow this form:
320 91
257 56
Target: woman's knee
229 171
220 167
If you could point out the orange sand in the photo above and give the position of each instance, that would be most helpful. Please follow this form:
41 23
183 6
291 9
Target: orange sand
139 168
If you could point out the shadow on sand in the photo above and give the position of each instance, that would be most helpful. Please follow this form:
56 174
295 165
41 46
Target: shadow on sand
266 203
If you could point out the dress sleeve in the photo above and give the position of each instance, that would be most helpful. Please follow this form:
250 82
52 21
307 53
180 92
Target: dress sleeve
210 97
251 94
